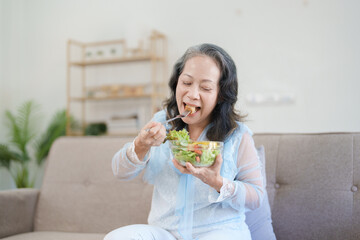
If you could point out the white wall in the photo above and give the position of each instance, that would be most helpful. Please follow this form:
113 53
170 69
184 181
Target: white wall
1 62
308 49
5 178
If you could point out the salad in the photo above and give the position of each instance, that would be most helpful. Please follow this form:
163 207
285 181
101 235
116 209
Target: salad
200 154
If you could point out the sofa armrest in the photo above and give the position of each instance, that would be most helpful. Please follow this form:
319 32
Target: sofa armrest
17 209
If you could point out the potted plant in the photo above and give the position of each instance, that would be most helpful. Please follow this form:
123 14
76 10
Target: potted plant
25 144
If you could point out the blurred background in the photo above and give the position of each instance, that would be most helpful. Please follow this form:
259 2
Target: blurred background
298 60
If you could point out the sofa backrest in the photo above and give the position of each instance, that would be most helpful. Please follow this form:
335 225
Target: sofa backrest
81 194
313 183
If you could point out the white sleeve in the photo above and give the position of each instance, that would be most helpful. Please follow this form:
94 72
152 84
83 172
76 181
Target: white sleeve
247 190
126 164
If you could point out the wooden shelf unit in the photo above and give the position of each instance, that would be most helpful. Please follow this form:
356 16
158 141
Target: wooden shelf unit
115 60
155 55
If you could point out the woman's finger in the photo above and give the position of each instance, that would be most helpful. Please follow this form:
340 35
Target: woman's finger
160 134
191 169
181 168
218 161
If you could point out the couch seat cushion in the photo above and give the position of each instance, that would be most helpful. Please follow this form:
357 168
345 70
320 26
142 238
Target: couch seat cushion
42 235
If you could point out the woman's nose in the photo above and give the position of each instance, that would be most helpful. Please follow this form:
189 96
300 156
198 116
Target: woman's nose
194 93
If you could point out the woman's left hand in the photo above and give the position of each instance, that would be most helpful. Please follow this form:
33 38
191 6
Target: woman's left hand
209 175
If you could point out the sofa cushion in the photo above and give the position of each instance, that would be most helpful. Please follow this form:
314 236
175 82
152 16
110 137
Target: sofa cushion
17 204
259 220
312 180
80 192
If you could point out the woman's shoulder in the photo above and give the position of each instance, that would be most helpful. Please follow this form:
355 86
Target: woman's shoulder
240 130
243 128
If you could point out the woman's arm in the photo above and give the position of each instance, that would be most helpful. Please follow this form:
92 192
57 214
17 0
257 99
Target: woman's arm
247 190
129 161
250 172
125 163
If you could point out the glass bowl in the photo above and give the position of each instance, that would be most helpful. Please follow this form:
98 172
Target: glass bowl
199 154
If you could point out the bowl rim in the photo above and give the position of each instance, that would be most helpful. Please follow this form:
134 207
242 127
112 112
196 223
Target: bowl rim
215 144
196 142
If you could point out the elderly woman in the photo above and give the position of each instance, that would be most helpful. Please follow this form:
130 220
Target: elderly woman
196 202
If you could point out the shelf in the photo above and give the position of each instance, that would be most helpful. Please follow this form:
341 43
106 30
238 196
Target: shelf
110 98
85 85
75 133
114 60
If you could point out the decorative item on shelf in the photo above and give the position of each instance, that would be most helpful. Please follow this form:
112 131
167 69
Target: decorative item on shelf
90 94
100 53
114 90
88 55
133 90
116 50
96 129
113 51
95 92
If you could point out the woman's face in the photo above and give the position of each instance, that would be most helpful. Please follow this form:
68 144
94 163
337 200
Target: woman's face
198 85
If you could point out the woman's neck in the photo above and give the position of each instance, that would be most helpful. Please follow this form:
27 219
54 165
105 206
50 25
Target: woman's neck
195 131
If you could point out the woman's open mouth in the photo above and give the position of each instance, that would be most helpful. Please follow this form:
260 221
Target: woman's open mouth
191 108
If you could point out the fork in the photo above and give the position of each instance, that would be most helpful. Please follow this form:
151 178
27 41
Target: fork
184 114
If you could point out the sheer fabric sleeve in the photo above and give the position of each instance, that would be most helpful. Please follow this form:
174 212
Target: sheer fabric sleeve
247 190
126 164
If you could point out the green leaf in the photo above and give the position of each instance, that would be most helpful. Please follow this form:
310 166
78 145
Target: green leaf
22 127
22 177
56 129
6 156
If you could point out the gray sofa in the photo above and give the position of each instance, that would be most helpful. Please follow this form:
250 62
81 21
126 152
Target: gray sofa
312 183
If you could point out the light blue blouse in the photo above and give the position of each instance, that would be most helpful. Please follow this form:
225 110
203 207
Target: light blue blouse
182 202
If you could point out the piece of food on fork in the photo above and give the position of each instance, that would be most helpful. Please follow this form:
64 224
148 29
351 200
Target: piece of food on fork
192 109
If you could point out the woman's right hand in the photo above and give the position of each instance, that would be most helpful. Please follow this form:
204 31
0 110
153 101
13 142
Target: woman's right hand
152 134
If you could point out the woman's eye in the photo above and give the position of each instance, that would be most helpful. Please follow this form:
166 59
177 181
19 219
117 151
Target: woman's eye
187 83
206 88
